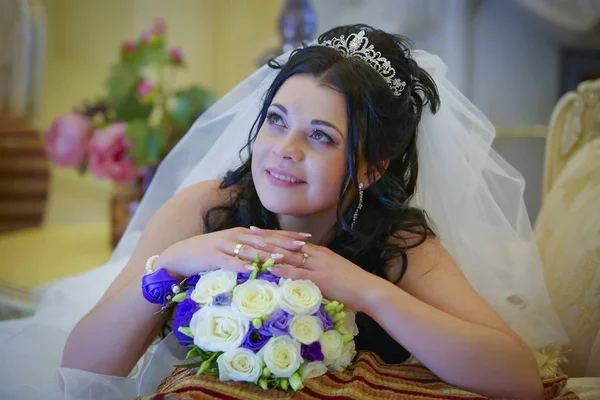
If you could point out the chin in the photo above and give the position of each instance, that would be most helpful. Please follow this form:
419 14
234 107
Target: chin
282 207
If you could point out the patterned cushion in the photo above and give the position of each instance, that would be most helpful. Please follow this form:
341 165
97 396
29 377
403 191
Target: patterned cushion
368 378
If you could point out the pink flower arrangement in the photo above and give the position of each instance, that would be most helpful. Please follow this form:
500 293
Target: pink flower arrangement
108 150
145 89
115 138
176 55
67 139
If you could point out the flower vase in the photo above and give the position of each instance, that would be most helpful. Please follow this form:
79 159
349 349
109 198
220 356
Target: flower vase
124 202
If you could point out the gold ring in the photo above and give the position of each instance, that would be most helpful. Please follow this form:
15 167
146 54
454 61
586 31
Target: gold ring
304 257
236 252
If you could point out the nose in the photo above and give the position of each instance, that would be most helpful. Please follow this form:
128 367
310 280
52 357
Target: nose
289 148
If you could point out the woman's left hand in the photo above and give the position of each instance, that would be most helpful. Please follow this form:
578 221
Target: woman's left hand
338 278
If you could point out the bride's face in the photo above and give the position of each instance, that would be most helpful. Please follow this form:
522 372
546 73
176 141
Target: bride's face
299 156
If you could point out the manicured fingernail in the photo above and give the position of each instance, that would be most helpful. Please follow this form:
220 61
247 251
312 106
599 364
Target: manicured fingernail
277 256
249 267
305 234
269 269
255 229
298 243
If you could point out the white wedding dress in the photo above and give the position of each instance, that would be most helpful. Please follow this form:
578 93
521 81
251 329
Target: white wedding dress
473 197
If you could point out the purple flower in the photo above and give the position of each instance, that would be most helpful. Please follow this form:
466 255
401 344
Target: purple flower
312 352
256 338
278 323
265 276
192 280
183 315
222 299
325 319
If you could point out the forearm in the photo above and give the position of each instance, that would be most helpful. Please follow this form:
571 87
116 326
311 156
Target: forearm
464 354
115 334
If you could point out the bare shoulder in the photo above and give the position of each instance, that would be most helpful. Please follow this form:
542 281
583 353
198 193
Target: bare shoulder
182 216
191 203
430 257
423 256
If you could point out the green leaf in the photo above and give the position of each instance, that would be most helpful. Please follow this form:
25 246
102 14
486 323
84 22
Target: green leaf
189 365
121 93
253 274
157 141
211 372
120 82
186 331
178 298
190 103
193 353
138 131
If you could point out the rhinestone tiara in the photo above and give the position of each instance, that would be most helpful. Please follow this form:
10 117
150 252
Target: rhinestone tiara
357 45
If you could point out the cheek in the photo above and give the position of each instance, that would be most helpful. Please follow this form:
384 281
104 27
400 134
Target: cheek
259 148
329 173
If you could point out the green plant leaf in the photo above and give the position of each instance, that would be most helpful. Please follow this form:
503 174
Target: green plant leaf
193 353
121 93
178 298
189 365
121 80
190 103
186 331
138 131
156 143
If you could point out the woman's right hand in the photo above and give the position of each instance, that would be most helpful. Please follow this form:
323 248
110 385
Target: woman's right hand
217 250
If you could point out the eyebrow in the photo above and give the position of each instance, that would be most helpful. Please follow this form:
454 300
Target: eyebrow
313 122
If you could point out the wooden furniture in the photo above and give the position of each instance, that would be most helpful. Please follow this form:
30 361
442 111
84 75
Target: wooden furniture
575 121
24 175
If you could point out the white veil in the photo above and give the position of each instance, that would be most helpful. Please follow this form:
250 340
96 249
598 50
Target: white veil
473 197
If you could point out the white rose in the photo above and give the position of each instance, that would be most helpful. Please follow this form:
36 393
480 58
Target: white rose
239 365
255 298
282 356
299 297
344 360
305 328
348 325
218 328
312 369
331 346
213 283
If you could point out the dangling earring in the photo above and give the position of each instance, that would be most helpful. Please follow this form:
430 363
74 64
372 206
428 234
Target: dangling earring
360 204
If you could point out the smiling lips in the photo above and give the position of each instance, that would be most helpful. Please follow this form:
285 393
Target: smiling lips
283 176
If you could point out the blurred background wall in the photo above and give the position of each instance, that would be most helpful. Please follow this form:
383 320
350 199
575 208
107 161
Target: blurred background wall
222 40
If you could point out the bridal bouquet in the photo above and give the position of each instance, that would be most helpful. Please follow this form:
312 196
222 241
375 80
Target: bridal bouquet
258 328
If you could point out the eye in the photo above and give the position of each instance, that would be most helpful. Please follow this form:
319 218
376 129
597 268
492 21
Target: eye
275 119
321 137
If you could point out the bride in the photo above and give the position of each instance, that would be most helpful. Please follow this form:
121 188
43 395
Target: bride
364 170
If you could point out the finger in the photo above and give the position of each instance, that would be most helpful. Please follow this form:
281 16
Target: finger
234 264
247 252
293 235
291 273
272 242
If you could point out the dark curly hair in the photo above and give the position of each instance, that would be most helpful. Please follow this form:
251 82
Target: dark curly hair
381 127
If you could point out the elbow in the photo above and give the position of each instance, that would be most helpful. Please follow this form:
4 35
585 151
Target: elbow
71 349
